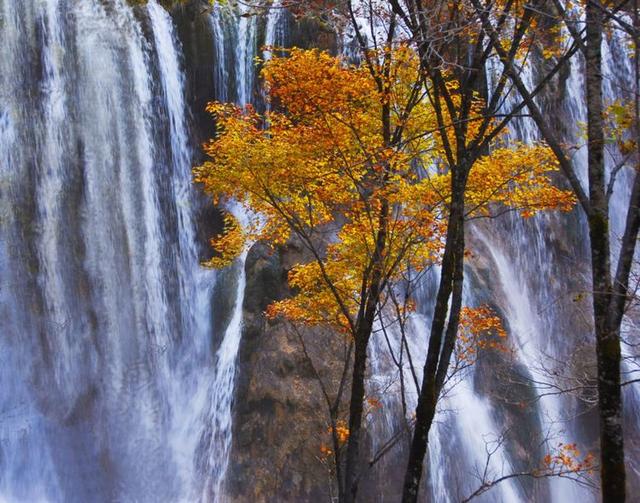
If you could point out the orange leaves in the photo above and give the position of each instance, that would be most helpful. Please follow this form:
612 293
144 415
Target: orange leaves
317 166
480 328
341 432
479 320
325 451
374 403
567 458
312 82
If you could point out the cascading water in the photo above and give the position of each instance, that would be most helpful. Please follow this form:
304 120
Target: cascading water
275 31
527 257
220 413
464 430
112 389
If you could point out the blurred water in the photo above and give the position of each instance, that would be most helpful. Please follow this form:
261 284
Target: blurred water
112 387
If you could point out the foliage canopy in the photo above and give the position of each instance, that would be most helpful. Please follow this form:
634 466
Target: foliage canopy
317 165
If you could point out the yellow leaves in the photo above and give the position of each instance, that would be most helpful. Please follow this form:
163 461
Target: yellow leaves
318 161
518 177
619 124
627 147
314 303
480 328
550 52
619 127
620 115
317 165
227 245
552 41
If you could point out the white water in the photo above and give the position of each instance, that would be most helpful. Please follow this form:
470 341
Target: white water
221 401
245 52
112 388
463 429
275 31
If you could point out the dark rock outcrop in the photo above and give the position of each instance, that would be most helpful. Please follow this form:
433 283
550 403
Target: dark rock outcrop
280 415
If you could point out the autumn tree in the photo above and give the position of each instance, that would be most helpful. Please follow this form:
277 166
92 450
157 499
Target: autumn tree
354 161
329 167
454 53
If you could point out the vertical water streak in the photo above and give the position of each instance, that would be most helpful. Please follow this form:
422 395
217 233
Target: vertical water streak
98 387
188 380
462 429
221 70
245 53
527 260
243 32
172 80
50 182
220 413
111 388
526 327
275 31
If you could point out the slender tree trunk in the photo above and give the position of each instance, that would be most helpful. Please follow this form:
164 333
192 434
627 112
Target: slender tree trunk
364 328
451 334
607 340
428 398
356 408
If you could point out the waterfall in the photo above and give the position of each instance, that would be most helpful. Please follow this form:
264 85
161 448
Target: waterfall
275 31
117 370
464 428
108 365
223 384
221 402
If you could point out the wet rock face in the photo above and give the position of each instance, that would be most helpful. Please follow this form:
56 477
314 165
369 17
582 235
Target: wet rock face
195 33
280 414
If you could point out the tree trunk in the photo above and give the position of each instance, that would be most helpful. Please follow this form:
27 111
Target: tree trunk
607 340
356 408
364 327
428 398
